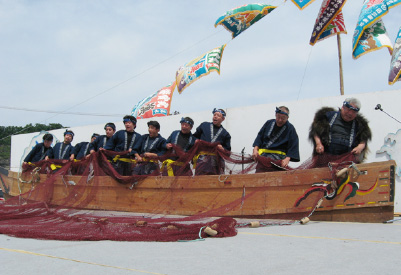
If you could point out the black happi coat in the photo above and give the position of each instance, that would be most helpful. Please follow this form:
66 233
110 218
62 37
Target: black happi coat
38 153
210 133
287 141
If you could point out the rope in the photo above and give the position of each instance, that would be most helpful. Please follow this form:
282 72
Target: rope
62 113
303 77
200 236
390 221
120 83
316 206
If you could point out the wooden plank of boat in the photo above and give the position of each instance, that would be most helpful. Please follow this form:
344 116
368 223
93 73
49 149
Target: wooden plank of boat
264 195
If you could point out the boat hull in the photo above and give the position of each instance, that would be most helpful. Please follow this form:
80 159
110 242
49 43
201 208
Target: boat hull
273 195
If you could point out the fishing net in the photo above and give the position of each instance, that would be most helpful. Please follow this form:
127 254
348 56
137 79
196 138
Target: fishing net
90 199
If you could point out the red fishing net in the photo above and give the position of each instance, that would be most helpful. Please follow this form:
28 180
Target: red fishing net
64 200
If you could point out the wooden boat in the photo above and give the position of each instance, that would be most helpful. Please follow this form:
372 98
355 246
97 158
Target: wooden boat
280 195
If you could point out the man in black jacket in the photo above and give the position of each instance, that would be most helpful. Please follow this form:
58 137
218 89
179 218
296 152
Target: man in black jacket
342 131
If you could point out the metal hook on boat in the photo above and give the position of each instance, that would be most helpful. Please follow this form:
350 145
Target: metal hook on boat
70 182
353 165
333 180
62 179
91 174
133 185
35 176
224 178
346 171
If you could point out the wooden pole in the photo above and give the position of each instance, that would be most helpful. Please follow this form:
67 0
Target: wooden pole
340 63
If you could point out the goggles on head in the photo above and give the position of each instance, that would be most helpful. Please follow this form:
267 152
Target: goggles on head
349 106
127 119
183 120
69 133
279 111
220 111
111 126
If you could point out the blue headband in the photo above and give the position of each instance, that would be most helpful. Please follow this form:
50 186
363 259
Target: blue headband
183 120
69 133
220 111
127 119
279 111
348 105
112 126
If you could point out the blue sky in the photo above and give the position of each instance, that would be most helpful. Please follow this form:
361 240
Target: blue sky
102 57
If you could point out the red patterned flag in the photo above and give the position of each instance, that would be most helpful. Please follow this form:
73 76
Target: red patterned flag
336 26
329 21
155 105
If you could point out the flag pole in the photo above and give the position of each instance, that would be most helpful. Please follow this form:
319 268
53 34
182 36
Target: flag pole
340 63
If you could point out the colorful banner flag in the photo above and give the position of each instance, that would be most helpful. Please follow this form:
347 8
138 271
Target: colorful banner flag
328 12
372 10
373 38
155 105
239 19
337 25
301 4
199 67
395 66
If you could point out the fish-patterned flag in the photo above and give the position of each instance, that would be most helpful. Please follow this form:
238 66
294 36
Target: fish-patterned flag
155 105
239 19
372 11
301 4
395 66
199 67
373 38
329 11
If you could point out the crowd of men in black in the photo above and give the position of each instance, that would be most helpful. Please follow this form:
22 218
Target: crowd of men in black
333 131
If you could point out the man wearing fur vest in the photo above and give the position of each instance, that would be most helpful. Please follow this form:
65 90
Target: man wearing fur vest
342 131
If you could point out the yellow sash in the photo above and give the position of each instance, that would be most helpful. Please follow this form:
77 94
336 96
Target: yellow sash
267 151
54 166
195 159
119 158
168 163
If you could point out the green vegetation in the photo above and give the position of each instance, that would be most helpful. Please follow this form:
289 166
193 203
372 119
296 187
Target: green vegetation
7 131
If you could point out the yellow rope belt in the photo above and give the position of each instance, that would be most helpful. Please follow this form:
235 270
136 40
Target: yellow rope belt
195 159
168 164
268 151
